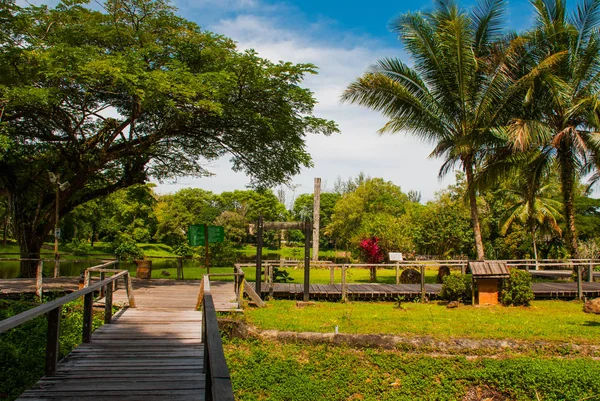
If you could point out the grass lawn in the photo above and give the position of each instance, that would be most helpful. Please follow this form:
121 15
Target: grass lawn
555 321
299 372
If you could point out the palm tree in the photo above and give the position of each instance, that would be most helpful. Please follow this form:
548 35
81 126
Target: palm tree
456 91
562 83
532 203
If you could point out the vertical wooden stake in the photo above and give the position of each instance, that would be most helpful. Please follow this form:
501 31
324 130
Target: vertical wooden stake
344 287
87 278
271 282
472 291
108 304
591 273
39 291
88 302
52 340
206 256
307 230
397 273
56 265
259 246
129 290
423 284
579 284
102 291
316 218
331 274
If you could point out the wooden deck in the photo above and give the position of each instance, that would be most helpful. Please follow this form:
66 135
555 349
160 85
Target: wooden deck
391 291
152 352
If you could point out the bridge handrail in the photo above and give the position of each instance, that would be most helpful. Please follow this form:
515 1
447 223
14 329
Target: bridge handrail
218 379
52 310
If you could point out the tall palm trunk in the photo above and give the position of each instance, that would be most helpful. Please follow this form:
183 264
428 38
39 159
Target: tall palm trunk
535 255
474 211
567 178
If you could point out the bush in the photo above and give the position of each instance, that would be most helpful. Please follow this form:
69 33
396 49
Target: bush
456 287
79 247
222 254
516 290
125 248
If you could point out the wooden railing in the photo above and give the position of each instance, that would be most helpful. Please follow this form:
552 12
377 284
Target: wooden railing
52 310
218 380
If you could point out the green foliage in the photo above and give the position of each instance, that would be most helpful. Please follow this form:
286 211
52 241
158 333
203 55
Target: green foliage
22 349
126 249
302 372
456 287
516 290
79 247
222 254
281 275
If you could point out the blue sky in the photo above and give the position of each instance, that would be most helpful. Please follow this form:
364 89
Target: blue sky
342 38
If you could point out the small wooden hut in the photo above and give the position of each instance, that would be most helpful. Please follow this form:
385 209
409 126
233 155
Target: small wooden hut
487 276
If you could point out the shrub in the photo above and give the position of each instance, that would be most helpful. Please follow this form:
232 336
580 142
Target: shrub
79 247
125 248
456 287
516 290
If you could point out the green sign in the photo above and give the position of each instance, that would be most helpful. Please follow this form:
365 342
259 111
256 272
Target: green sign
196 234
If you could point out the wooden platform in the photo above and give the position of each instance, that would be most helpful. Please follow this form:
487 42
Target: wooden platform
392 291
27 285
144 354
153 352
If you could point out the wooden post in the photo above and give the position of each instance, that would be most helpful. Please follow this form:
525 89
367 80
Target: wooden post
423 284
115 283
316 218
591 272
397 273
88 302
52 340
87 278
306 292
463 269
206 256
271 282
180 269
259 246
102 291
579 284
267 266
108 304
331 274
472 291
39 291
56 265
129 290
344 287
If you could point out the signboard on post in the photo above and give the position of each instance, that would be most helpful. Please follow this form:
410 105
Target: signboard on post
396 257
196 234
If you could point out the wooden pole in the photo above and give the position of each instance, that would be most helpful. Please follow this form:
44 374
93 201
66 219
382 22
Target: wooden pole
88 302
271 282
331 274
108 301
129 290
56 210
579 284
180 269
306 292
259 246
591 273
397 273
39 291
52 340
422 283
344 287
316 218
206 256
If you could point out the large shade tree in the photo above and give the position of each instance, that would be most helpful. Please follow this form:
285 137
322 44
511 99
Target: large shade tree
110 98
455 93
561 104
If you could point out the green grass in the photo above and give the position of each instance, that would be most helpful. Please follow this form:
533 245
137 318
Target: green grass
554 321
301 372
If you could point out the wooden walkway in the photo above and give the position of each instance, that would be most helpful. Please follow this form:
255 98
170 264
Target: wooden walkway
391 291
153 352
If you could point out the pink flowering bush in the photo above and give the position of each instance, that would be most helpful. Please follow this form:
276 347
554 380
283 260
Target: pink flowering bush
372 252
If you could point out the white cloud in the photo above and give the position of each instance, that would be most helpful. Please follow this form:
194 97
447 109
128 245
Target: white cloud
399 158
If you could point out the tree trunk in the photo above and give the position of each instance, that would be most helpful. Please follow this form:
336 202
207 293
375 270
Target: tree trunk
373 275
474 211
535 255
5 227
567 178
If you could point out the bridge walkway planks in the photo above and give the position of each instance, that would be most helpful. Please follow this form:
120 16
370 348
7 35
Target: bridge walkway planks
153 352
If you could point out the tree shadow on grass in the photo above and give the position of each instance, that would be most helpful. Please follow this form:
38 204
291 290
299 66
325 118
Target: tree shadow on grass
591 324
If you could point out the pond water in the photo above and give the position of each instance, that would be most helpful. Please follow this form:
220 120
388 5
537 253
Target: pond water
75 268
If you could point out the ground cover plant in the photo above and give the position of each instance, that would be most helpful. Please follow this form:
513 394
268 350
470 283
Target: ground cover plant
554 321
275 371
23 349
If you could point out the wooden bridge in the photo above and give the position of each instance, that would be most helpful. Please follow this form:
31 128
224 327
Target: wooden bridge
158 347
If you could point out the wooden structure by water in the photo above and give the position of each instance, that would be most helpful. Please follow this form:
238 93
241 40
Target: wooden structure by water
158 348
388 292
